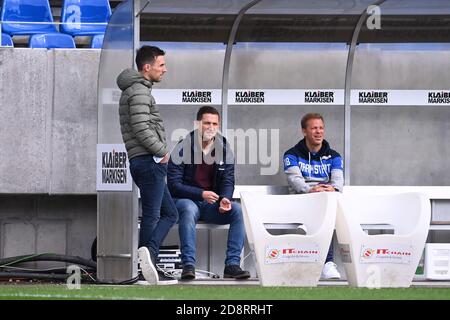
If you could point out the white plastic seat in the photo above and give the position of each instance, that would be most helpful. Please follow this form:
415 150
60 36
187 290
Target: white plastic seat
289 259
382 260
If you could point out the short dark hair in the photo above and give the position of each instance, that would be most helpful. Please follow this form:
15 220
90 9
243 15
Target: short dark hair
206 109
310 116
147 54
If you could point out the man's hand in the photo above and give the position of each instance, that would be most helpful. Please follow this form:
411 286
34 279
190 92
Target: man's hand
166 158
225 205
322 188
210 196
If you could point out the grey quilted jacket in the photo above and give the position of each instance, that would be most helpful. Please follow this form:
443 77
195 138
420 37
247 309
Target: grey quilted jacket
140 122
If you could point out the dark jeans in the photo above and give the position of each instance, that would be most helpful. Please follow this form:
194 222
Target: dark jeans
159 212
191 211
330 253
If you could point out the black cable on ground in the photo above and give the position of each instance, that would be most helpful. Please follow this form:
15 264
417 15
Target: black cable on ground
30 275
37 274
43 276
37 270
48 257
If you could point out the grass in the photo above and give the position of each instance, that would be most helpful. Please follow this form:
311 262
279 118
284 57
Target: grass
197 292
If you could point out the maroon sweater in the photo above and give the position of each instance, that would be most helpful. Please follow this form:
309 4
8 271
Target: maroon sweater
204 175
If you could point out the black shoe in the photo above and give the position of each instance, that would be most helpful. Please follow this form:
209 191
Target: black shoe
165 278
188 272
161 277
234 271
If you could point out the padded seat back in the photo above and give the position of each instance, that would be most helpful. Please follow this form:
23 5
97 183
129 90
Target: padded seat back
85 17
19 16
6 40
51 41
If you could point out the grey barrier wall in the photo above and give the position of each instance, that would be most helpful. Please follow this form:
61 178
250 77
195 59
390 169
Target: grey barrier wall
74 125
25 96
49 121
48 131
48 141
402 145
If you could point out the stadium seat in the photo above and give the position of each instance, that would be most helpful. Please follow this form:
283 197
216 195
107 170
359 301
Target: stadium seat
26 11
77 14
51 40
6 40
289 259
97 41
382 260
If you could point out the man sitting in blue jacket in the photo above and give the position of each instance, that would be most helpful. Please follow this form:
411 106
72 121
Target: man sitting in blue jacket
200 177
312 166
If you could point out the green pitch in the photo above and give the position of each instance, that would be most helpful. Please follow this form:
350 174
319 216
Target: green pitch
200 292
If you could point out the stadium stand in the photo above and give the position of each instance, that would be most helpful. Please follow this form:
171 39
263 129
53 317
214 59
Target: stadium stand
6 40
51 41
77 16
49 16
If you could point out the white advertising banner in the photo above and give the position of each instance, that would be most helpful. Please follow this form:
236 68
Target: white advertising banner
172 96
113 173
294 97
291 253
262 97
188 96
285 97
323 96
386 254
438 97
400 97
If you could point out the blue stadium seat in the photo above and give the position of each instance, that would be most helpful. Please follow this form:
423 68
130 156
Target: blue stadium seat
97 41
51 40
77 14
16 11
6 40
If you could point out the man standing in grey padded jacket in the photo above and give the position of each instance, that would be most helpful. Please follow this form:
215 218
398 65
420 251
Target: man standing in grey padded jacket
145 140
312 166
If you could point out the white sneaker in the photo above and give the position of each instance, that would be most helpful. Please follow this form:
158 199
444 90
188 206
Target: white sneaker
147 267
330 271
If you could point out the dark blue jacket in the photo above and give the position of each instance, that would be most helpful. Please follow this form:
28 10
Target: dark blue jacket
305 169
181 169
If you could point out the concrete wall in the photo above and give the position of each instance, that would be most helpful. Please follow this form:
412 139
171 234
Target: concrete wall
404 145
47 142
74 122
49 121
26 99
47 224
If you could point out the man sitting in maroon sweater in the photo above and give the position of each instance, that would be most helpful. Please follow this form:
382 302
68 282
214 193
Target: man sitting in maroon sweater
200 177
